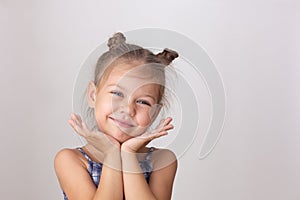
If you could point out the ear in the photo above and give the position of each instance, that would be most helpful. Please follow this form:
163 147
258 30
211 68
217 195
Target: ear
91 94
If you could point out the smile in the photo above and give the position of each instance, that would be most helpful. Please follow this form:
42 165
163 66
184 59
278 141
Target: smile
122 123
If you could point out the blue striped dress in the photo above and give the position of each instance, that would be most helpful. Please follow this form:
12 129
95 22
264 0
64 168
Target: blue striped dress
95 168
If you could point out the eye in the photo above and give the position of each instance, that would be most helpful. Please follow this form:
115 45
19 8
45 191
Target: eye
143 102
117 93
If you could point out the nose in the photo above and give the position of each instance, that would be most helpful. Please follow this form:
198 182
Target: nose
128 108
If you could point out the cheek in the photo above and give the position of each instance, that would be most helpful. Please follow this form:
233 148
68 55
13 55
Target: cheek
143 119
102 109
106 101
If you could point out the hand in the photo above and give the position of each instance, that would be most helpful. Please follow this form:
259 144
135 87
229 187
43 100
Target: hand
134 144
98 143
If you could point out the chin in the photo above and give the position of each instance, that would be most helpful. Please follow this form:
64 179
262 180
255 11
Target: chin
122 137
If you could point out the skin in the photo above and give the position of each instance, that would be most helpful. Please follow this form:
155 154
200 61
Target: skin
125 106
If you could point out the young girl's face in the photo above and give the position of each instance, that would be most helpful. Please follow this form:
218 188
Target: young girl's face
126 103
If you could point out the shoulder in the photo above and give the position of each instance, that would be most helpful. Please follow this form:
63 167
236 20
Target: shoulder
162 158
68 157
66 154
71 169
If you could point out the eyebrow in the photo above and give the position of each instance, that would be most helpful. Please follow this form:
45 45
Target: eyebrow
148 95
115 85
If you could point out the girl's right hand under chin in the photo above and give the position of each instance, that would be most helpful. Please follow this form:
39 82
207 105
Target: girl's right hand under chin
98 143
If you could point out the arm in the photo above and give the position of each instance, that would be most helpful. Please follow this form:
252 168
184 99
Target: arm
161 181
111 181
162 177
135 185
76 182
72 172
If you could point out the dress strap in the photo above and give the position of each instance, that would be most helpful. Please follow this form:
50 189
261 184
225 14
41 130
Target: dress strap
84 154
148 156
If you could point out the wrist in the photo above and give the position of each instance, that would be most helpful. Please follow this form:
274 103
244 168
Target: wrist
112 153
112 159
112 148
127 150
130 162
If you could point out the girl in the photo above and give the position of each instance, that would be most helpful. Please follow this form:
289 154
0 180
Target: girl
124 99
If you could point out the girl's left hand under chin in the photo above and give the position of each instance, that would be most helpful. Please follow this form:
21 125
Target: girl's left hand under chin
134 144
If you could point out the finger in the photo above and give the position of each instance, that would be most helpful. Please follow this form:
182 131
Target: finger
85 128
168 127
74 118
163 131
160 129
80 132
160 125
154 133
163 123
78 118
167 121
157 135
77 128
71 122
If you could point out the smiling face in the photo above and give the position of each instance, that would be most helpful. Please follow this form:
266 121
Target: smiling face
126 103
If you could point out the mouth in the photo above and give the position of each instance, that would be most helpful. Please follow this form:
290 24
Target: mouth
122 123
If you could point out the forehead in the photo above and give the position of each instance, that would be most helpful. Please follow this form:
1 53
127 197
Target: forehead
134 77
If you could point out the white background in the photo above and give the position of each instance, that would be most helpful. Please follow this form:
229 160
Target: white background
254 44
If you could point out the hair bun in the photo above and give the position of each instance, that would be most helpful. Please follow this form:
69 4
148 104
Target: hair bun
116 40
167 56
